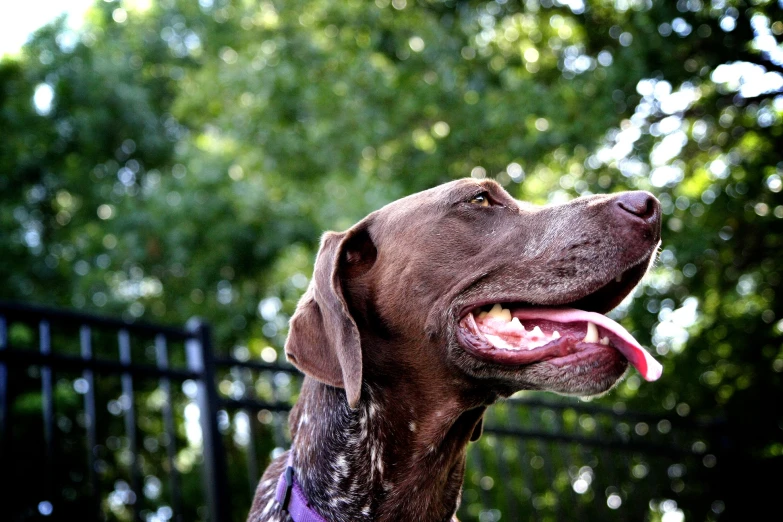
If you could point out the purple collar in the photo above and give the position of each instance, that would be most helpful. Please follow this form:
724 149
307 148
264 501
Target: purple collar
291 496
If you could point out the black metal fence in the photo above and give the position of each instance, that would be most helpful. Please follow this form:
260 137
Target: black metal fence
102 419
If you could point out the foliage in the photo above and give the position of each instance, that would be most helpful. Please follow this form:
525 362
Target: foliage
192 153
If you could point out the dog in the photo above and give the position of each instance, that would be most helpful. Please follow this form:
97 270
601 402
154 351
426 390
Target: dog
431 309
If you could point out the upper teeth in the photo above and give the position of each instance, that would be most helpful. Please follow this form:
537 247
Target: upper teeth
500 312
592 333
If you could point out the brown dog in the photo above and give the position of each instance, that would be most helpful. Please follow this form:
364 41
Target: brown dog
403 345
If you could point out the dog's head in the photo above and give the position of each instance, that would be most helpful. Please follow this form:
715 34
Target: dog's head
464 280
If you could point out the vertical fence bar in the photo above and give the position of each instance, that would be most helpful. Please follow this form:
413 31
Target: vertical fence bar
128 401
557 456
521 420
580 457
277 417
45 344
252 421
5 414
512 506
606 458
4 402
200 360
505 483
252 454
85 339
478 462
162 359
246 375
544 450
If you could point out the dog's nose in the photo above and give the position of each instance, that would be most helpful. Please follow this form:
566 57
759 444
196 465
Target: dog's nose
639 203
642 205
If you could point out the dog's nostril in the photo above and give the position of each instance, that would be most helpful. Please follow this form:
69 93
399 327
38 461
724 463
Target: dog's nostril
639 203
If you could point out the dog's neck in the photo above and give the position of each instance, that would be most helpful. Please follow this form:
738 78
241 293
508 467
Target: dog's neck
389 459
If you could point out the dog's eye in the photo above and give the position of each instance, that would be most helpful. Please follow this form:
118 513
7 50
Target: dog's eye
481 200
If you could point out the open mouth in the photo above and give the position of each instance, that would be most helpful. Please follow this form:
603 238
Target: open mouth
521 334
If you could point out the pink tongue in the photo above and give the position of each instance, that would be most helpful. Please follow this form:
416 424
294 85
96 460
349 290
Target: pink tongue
650 369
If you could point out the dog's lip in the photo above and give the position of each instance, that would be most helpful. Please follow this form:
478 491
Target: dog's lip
604 297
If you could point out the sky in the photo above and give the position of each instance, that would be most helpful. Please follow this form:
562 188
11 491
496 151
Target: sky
19 19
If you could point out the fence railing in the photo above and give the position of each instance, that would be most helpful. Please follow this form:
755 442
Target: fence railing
102 419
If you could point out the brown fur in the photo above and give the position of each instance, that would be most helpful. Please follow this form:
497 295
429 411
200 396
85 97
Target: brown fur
390 398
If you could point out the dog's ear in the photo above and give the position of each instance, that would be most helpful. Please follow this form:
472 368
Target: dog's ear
323 340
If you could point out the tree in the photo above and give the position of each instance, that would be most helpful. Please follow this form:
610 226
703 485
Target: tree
191 154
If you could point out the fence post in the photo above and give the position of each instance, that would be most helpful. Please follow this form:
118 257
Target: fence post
200 360
5 404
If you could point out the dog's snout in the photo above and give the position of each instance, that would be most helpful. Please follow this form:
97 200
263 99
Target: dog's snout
641 204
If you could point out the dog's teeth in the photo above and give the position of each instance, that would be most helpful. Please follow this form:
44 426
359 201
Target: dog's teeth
536 333
515 322
499 312
555 335
605 341
499 342
496 311
482 315
592 333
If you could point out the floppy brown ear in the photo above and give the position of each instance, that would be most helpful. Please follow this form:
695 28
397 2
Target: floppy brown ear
323 340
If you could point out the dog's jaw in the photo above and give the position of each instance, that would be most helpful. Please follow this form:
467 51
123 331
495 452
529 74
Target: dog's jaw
560 359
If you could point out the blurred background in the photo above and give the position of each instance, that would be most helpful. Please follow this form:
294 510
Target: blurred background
167 159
